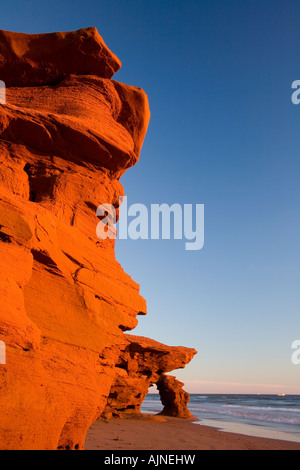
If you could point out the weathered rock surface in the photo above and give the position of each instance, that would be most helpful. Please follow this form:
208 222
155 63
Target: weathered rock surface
67 134
45 59
173 397
144 362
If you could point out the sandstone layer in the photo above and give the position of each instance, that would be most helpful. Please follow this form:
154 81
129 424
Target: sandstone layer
67 134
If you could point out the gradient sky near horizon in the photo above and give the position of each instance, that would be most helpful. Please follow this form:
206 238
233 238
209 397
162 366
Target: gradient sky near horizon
223 133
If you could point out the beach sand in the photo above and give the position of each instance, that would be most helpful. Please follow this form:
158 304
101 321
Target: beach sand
155 433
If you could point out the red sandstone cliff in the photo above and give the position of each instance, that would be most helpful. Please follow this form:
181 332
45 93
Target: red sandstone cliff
67 134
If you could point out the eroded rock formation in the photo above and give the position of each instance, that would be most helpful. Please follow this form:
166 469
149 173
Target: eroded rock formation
173 397
67 134
144 362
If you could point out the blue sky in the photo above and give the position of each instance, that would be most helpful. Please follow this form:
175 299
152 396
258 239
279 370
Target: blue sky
223 133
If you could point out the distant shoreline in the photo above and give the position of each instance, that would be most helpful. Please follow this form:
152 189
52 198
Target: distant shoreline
249 430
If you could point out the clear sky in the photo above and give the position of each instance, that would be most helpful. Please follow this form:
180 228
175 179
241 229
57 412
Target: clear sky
223 133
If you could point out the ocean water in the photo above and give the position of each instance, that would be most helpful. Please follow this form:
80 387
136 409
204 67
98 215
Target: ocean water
269 416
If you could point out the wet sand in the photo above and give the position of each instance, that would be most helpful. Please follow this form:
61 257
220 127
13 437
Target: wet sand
173 434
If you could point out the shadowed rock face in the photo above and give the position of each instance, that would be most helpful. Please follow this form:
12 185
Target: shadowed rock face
45 59
67 134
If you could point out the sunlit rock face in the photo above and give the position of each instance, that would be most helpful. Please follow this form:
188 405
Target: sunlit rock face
67 134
